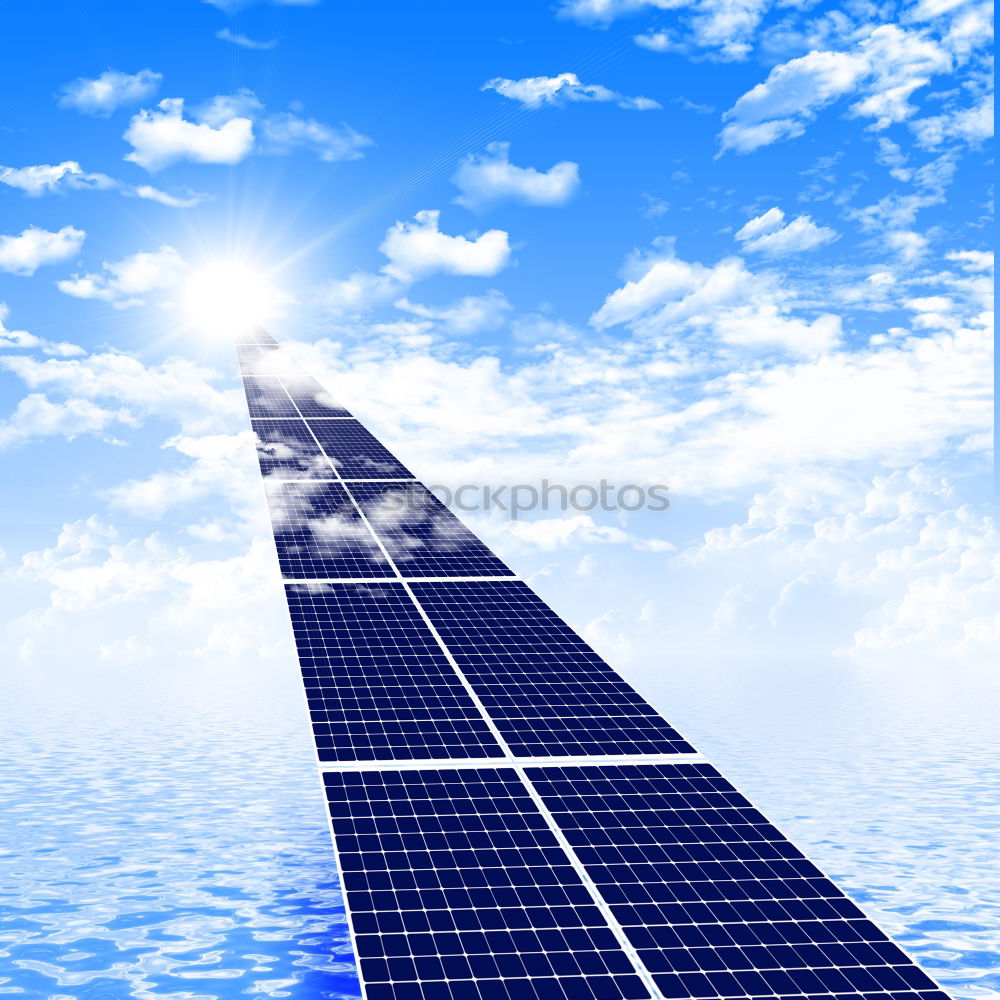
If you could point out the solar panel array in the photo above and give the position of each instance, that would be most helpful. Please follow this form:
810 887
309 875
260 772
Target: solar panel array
512 820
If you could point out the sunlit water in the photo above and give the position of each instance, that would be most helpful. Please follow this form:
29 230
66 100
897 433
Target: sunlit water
162 832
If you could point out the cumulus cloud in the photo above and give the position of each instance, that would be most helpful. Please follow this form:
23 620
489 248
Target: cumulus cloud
884 69
123 282
34 248
768 234
537 91
38 417
417 249
161 137
47 178
284 132
228 127
726 301
244 42
491 177
111 90
922 569
176 389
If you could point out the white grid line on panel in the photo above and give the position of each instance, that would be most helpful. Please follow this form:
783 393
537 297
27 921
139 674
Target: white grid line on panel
599 900
574 860
474 762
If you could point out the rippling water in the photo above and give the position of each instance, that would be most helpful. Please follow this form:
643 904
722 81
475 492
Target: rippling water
169 840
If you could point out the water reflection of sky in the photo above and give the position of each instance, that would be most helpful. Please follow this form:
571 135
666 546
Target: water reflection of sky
162 831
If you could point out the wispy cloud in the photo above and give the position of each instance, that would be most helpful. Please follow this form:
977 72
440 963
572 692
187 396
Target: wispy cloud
538 91
244 42
189 199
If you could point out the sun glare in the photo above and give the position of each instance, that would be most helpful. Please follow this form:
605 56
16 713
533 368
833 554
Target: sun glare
227 297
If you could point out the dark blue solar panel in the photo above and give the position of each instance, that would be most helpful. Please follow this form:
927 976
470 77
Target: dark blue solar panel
286 449
458 890
311 398
715 900
355 452
378 685
423 537
547 691
266 398
320 534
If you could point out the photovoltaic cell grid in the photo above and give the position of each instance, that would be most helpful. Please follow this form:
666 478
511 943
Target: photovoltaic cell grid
546 690
319 533
286 449
378 685
311 398
356 452
421 535
267 398
715 900
456 886
458 890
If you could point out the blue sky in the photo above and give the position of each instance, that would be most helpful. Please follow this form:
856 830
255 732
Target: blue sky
742 249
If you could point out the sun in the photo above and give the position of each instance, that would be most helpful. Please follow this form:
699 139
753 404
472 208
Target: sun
226 297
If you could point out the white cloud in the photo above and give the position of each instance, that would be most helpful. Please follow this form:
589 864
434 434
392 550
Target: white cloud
161 137
471 314
419 248
218 110
885 67
669 296
223 465
176 389
918 570
37 417
416 250
243 42
767 234
109 91
605 11
973 260
21 340
491 177
284 132
768 222
972 125
48 178
189 199
228 127
724 27
536 91
356 294
34 248
123 282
